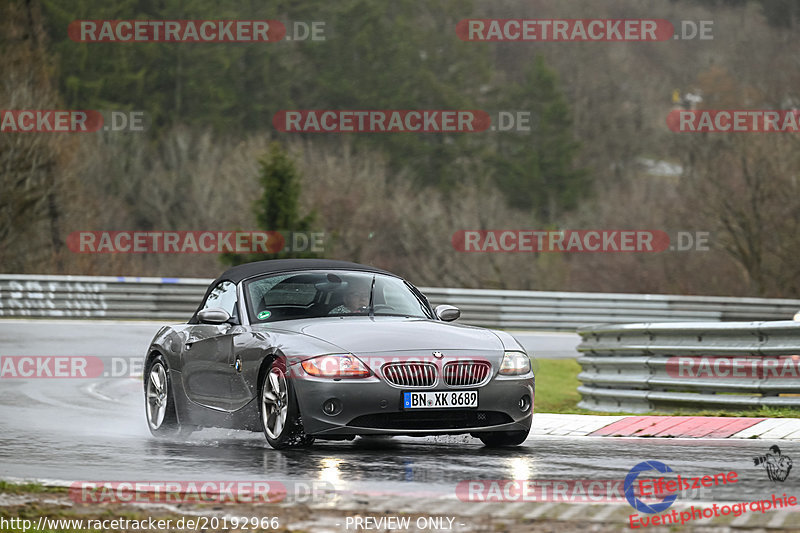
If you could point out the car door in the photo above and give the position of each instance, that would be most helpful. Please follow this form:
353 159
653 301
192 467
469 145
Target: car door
249 350
207 355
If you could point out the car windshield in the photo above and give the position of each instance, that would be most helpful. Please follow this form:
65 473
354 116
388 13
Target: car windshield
313 294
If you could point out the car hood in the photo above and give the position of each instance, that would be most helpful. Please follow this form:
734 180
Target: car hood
393 334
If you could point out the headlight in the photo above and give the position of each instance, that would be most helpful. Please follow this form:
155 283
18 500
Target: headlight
515 364
336 366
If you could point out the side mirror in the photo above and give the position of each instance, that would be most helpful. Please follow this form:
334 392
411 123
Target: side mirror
213 315
448 313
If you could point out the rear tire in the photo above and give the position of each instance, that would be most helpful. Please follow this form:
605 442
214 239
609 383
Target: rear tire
496 439
280 414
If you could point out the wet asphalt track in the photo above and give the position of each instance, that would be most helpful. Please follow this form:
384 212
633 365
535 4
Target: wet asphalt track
94 429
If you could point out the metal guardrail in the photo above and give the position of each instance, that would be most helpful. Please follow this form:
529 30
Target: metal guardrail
646 367
570 310
99 297
176 298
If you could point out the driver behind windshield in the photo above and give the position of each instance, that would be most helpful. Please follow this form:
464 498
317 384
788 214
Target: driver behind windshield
356 299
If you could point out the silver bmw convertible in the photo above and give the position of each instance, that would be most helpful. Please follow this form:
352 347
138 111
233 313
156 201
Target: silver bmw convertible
306 349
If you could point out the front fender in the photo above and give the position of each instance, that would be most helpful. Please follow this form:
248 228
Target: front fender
510 344
168 341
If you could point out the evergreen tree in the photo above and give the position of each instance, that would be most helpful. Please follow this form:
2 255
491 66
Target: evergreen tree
278 208
535 169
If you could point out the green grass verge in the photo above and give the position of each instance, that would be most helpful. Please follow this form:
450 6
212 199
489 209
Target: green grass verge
557 386
557 392
7 487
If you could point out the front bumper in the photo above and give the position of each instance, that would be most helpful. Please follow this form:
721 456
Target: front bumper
370 406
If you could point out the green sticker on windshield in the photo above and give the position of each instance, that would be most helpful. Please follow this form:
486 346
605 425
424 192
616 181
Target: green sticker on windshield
263 314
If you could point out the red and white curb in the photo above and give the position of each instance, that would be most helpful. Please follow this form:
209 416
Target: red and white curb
697 427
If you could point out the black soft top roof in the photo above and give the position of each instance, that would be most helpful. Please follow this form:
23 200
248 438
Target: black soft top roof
248 270
257 268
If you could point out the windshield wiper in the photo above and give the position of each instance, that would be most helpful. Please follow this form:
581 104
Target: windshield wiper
371 297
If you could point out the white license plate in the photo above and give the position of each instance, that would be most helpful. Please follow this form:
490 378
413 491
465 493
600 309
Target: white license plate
440 399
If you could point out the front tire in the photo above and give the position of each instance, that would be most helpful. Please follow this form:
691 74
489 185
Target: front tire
496 439
162 420
280 414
